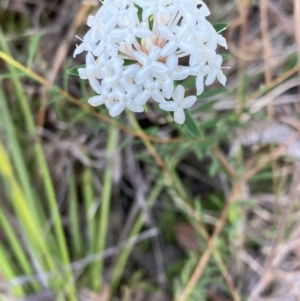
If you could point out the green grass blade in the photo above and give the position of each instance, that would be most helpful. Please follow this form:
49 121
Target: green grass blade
33 48
113 134
33 235
76 235
9 272
19 163
41 162
89 203
17 249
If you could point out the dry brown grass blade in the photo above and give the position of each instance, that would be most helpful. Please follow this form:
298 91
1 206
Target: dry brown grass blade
267 48
277 81
244 6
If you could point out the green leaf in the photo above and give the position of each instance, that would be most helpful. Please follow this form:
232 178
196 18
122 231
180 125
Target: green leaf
74 70
226 56
191 125
220 26
129 62
33 49
140 12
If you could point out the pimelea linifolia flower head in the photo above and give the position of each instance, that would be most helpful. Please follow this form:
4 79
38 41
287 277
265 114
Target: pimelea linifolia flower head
133 51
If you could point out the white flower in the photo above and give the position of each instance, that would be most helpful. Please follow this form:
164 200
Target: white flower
121 100
99 99
174 72
112 72
178 104
116 13
149 64
215 71
127 78
152 89
200 71
131 31
134 47
91 72
176 39
159 8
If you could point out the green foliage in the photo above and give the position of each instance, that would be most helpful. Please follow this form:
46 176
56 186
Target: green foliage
220 26
191 125
199 293
74 70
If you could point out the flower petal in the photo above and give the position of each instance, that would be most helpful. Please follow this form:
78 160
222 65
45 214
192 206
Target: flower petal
166 32
135 108
131 70
97 51
211 77
118 92
169 48
221 78
158 96
169 106
181 73
82 73
178 94
154 53
188 48
204 10
142 97
148 11
141 57
117 109
221 41
118 34
79 49
172 61
168 88
142 32
89 60
179 116
163 17
158 67
96 100
199 85
142 75
95 85
91 21
189 101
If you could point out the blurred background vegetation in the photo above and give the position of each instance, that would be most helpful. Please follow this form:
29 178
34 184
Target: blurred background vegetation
138 208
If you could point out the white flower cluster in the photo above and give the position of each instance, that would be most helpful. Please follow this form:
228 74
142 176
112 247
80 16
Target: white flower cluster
133 50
